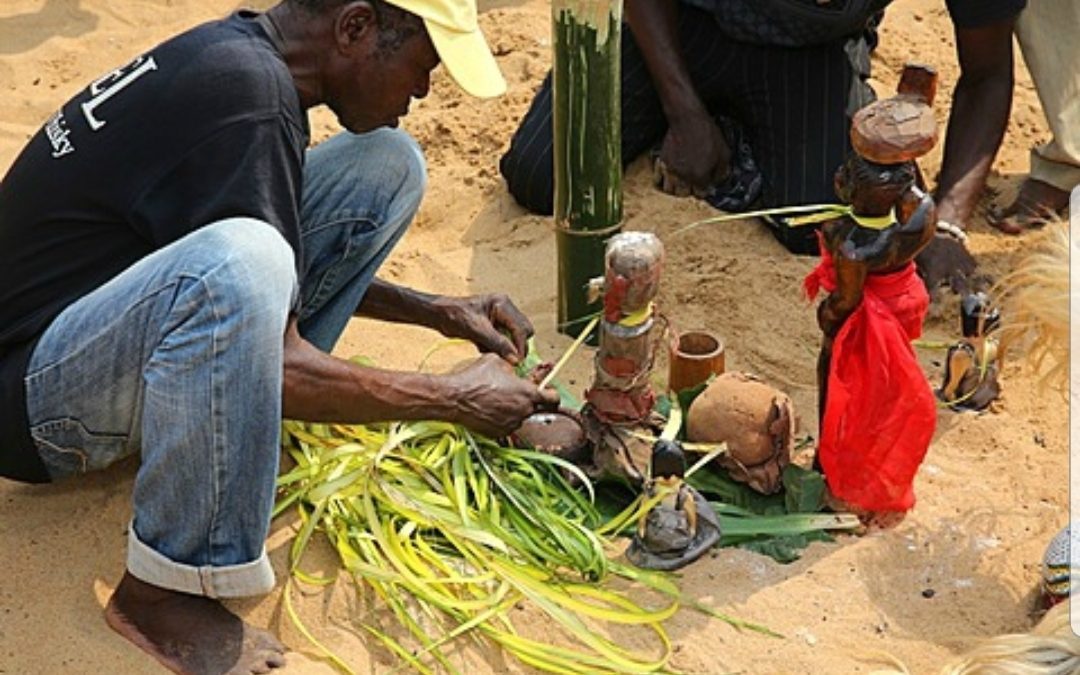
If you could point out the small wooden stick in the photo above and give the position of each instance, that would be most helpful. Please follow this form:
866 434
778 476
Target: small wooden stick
569 352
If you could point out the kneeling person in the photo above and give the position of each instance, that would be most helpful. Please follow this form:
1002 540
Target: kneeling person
179 266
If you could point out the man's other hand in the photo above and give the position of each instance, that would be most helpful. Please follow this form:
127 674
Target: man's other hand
492 322
693 157
945 260
493 401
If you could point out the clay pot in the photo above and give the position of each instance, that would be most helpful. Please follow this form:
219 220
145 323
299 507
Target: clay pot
755 420
694 357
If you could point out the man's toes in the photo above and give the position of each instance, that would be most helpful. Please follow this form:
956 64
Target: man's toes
1020 216
259 663
267 661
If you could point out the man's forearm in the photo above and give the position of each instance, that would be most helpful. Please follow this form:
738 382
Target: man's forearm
389 302
654 24
318 387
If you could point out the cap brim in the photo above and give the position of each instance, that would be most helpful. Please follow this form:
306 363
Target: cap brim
468 60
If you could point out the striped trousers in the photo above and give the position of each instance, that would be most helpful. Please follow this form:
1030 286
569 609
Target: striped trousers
795 104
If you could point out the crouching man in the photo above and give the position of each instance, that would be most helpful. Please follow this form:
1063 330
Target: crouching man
178 266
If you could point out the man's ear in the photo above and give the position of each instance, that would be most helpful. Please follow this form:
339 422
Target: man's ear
354 24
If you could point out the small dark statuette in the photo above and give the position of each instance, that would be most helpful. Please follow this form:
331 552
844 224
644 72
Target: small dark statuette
683 526
973 363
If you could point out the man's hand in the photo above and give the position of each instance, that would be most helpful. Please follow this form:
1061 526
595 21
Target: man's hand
486 396
491 322
945 260
493 401
693 157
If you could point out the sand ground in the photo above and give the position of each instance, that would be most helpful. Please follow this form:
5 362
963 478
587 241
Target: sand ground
992 491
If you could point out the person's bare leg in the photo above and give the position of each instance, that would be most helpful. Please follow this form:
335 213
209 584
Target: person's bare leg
190 634
1035 205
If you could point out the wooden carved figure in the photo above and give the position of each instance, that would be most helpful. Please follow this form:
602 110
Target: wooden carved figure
876 409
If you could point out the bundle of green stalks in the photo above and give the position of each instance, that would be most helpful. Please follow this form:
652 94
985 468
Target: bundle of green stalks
452 530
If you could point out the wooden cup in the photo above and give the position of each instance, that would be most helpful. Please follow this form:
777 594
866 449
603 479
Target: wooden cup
693 357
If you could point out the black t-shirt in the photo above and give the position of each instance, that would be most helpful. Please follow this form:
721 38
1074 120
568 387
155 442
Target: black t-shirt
803 23
204 127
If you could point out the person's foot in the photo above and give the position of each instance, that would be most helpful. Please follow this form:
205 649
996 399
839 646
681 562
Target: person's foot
189 633
1037 204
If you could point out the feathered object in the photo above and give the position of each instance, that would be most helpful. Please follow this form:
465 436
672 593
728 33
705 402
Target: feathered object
1050 648
1035 300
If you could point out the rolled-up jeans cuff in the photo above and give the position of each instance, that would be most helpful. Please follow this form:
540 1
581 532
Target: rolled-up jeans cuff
229 581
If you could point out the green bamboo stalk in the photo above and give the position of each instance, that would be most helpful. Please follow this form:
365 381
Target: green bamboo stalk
587 152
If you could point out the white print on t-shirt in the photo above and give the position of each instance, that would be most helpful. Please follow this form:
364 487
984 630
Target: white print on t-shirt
58 134
113 83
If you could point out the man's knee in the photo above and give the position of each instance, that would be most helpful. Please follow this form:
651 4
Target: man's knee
408 168
388 161
255 265
529 176
528 165
404 165
528 171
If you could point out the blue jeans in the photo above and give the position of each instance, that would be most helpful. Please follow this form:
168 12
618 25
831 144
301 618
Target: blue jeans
179 358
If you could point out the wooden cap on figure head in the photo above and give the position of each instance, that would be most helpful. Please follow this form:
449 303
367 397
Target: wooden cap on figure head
902 127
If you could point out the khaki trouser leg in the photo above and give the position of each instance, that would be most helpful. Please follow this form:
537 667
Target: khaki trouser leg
1048 33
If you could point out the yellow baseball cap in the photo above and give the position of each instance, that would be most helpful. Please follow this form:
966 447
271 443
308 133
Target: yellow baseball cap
456 35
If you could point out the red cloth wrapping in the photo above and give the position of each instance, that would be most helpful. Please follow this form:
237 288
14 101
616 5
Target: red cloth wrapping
880 412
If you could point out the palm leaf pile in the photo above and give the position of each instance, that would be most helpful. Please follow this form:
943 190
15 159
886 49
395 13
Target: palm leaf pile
452 531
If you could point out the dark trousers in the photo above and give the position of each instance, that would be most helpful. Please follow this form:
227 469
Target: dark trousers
795 104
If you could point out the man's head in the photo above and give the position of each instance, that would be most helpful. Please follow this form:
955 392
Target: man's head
383 52
395 25
455 32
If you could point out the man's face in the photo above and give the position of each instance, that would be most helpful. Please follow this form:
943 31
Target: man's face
375 83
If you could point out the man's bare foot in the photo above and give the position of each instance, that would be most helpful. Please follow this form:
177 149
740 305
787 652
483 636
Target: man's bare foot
189 633
1037 204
